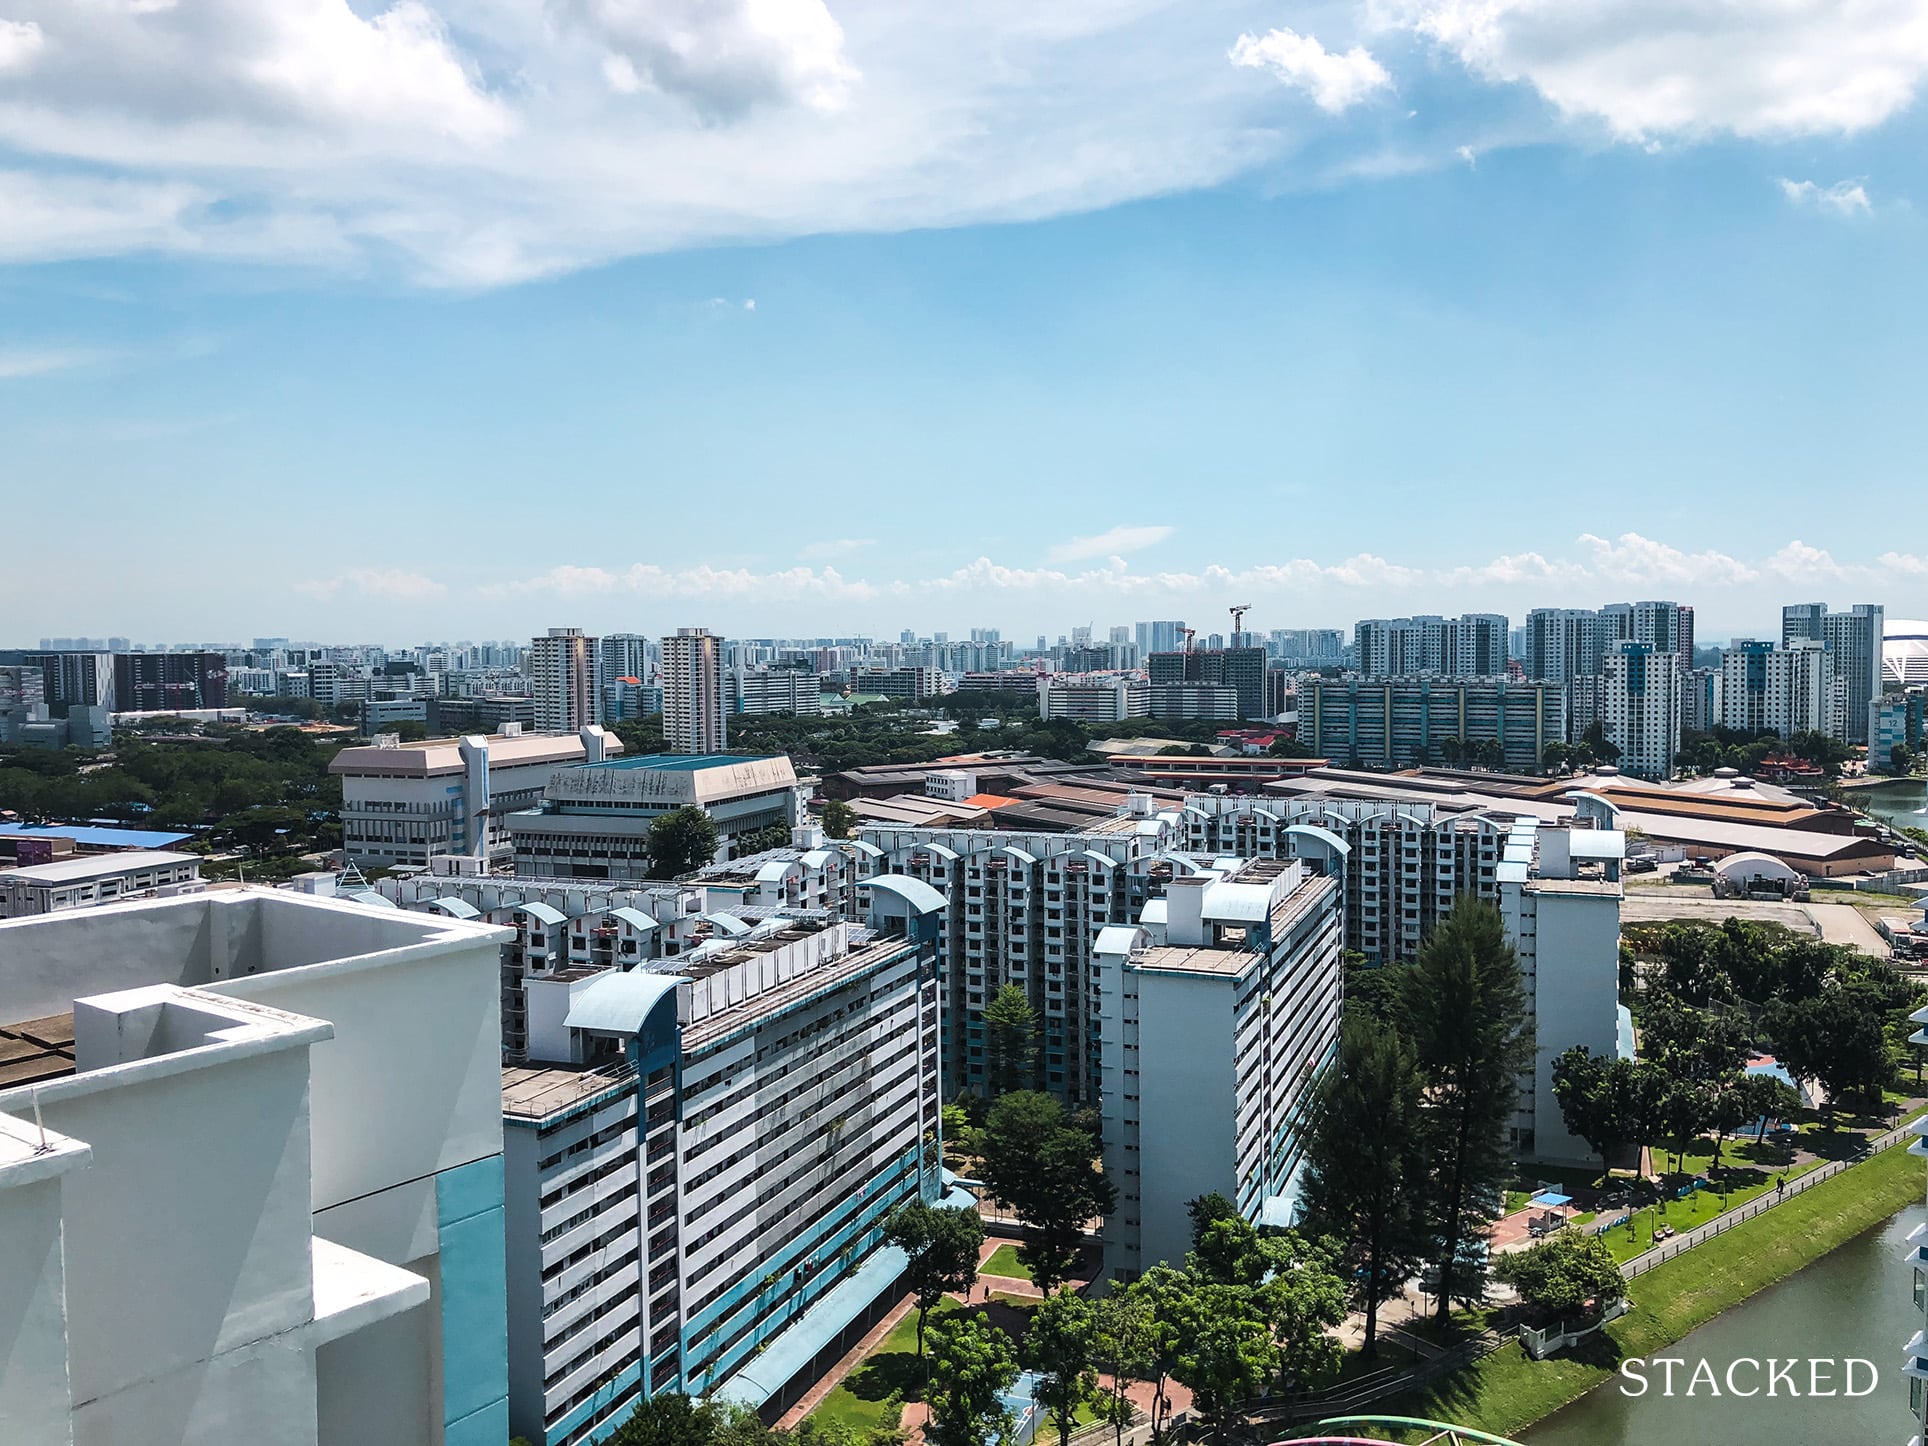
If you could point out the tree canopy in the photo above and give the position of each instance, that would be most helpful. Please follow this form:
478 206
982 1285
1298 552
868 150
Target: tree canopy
1042 1164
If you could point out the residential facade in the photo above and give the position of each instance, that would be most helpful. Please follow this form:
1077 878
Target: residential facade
1639 707
565 668
1399 722
1783 690
1856 639
1216 1014
693 695
702 1156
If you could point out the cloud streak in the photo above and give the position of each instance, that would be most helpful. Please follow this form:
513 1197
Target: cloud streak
1843 198
1114 543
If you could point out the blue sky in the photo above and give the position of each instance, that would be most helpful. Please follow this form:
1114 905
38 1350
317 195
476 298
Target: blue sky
786 316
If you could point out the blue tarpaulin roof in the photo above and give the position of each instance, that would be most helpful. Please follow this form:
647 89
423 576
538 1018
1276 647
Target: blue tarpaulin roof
1548 1197
88 836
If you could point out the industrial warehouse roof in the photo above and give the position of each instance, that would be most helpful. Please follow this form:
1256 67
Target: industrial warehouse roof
681 762
90 837
94 866
672 778
444 755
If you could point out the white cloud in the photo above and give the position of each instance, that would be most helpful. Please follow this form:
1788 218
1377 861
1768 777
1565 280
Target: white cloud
1844 198
701 581
723 58
1334 81
20 42
1117 540
1650 68
481 142
392 584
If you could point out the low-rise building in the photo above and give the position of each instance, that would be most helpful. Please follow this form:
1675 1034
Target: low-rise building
251 1176
702 1156
1217 1013
101 878
405 803
593 821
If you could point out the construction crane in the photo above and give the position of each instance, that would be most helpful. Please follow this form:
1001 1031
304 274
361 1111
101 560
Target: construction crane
1189 633
1238 611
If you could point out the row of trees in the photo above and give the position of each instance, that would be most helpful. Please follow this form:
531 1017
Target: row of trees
1247 1312
1407 1136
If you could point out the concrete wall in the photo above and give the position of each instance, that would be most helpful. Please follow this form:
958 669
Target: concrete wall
1576 994
1186 1108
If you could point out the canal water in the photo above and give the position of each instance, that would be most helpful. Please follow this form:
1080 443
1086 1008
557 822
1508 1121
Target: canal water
1905 801
1855 1301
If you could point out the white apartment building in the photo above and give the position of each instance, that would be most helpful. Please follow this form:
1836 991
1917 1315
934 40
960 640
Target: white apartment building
1856 638
250 1176
1026 909
1471 645
1193 700
1639 701
702 1159
1402 865
405 803
566 672
593 821
1786 690
1094 698
693 695
1559 891
775 690
88 879
1216 1014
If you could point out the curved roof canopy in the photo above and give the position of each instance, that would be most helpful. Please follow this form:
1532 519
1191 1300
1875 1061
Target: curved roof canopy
635 918
538 910
456 908
921 897
619 1003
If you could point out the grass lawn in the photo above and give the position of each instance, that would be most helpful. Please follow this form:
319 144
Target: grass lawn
890 1370
1004 1261
1507 1391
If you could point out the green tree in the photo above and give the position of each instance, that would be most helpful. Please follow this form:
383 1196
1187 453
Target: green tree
1767 1097
943 1245
1596 1095
1465 1008
679 841
1059 1344
1010 1041
1559 1276
668 1419
1042 1165
1366 1162
839 818
1836 1038
1206 1210
1124 1331
1221 1344
972 1365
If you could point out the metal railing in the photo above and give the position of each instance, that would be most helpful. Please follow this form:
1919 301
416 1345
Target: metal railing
1660 1254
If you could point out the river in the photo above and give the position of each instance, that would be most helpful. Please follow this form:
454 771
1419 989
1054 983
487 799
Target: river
1904 801
1854 1301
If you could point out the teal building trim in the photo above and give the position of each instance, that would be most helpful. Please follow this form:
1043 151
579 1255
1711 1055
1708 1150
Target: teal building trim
475 1304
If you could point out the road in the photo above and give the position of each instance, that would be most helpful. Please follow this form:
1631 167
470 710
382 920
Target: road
1845 924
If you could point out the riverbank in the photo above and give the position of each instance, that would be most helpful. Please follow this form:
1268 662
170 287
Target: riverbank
1506 1392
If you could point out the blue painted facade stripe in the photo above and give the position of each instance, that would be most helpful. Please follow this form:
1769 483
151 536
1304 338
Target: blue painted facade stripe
475 1304
605 1394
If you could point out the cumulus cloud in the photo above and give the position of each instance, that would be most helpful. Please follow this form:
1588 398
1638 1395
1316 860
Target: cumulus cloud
1115 542
478 143
1843 198
392 584
1656 68
723 58
1334 81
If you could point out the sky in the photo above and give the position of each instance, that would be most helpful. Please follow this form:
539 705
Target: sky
467 318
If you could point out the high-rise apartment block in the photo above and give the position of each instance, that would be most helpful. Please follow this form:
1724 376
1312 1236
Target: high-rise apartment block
1783 690
1472 645
1639 707
1855 638
1217 1011
1239 668
1159 637
694 701
565 667
775 690
1398 722
72 679
1093 699
702 1154
169 682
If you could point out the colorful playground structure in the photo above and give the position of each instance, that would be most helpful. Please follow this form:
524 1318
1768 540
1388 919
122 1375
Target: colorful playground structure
1338 1431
